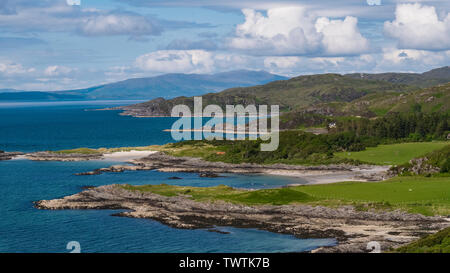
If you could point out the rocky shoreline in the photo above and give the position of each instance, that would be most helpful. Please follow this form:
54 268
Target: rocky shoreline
8 155
51 156
352 229
153 160
334 173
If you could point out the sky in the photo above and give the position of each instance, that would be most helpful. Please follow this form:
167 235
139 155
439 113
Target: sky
69 44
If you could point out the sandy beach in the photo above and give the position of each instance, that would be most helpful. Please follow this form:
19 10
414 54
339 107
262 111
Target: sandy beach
126 156
357 173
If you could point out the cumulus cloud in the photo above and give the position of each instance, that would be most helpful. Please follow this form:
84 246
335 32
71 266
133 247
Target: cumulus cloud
192 61
341 36
418 26
291 31
283 30
172 61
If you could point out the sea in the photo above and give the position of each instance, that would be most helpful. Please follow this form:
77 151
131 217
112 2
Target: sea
42 126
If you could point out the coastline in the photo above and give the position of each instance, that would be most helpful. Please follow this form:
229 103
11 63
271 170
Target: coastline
148 159
352 229
121 156
159 161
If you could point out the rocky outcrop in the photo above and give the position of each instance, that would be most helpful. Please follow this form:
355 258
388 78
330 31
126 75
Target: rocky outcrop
52 156
421 166
208 174
416 166
352 229
8 155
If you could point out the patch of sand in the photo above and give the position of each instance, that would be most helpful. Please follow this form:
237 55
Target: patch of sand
127 156
325 176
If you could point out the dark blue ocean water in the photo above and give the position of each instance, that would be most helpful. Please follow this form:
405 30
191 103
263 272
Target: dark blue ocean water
23 228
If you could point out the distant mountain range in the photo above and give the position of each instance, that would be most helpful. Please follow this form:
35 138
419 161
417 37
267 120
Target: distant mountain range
166 86
319 92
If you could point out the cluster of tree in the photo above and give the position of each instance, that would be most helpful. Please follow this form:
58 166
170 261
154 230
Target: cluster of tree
348 134
414 126
294 147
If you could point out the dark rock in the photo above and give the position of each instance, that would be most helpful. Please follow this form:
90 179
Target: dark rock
8 155
174 177
217 231
52 156
94 172
208 174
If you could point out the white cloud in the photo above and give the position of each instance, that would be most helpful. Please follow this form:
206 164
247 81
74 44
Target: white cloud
373 2
8 68
57 70
73 2
173 61
118 24
293 66
406 57
341 36
291 31
418 26
58 16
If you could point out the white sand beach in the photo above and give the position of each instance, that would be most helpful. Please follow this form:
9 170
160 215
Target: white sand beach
325 177
126 156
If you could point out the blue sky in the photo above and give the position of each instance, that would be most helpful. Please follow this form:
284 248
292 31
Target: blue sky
68 44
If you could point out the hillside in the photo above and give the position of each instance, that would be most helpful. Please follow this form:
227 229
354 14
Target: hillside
292 94
433 99
167 86
426 79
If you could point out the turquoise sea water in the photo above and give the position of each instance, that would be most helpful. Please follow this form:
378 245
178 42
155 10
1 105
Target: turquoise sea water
35 127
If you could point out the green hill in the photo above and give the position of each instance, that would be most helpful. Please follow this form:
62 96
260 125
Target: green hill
292 94
428 100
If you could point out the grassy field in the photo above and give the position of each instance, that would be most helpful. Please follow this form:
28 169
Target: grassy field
394 154
416 194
